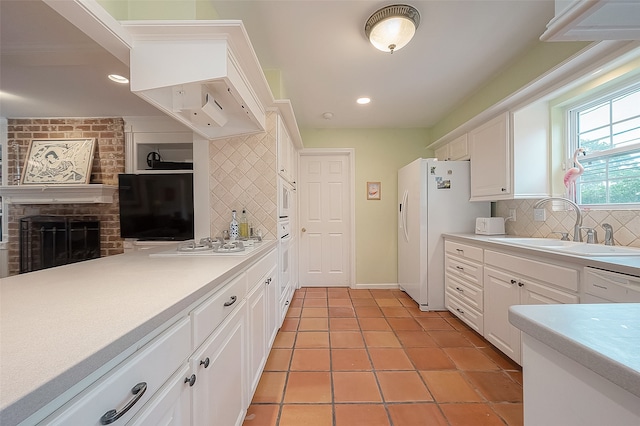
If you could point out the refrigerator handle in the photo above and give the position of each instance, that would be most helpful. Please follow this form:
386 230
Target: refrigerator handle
403 215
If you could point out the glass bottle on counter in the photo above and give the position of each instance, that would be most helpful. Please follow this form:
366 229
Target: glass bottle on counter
233 227
244 225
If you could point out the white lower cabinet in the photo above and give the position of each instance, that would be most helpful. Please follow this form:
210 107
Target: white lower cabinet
464 292
201 370
513 280
219 393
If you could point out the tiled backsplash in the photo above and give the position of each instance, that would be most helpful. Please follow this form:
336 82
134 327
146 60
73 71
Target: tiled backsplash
243 175
626 223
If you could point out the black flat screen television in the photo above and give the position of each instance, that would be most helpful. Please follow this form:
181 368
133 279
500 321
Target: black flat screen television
156 206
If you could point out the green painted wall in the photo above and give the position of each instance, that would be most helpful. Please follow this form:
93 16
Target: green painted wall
379 153
535 62
162 10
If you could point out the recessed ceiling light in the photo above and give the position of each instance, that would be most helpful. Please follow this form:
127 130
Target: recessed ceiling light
363 101
118 78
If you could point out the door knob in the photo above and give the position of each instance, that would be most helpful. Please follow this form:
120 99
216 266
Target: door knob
304 229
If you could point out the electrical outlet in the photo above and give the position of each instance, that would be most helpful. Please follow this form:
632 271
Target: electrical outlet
539 215
512 214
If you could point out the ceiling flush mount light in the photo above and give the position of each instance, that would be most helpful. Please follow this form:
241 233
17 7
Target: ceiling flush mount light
118 78
363 101
392 27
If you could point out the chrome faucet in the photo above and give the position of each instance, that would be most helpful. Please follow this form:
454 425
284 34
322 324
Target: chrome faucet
577 232
608 234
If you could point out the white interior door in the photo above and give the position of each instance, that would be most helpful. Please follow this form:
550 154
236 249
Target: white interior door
325 203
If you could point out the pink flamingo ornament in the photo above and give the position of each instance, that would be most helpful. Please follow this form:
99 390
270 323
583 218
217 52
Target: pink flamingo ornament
573 174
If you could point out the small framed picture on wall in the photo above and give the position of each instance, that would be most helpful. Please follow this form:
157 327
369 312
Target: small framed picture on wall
373 190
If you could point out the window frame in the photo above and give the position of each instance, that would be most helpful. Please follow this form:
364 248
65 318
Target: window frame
571 116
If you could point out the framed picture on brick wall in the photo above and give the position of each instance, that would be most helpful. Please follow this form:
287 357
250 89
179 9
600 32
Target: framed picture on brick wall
58 161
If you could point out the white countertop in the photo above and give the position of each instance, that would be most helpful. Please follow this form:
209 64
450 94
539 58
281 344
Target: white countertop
59 325
604 338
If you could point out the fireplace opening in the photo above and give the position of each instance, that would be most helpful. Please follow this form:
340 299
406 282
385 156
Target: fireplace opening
48 241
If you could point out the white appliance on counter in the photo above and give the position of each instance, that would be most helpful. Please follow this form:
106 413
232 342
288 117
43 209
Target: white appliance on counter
433 199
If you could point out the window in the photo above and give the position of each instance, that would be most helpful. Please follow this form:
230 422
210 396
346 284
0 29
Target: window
608 128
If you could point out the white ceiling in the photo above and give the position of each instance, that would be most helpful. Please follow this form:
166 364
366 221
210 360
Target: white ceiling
50 68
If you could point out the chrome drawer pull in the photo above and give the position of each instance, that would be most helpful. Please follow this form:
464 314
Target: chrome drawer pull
205 362
191 380
600 286
231 301
460 250
459 289
460 268
513 281
460 310
113 415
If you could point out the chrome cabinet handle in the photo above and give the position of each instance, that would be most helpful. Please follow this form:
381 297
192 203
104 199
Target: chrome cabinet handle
513 281
205 362
304 229
460 310
460 290
113 415
231 301
460 268
460 250
191 380
520 284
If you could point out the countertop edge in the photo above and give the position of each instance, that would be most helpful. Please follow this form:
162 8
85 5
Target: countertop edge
616 372
621 264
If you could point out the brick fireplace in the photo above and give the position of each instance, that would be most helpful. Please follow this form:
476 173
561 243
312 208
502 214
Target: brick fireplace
107 163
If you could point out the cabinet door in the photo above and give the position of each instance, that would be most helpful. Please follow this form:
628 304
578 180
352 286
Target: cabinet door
172 405
257 331
220 368
491 160
283 151
273 306
442 153
500 292
459 148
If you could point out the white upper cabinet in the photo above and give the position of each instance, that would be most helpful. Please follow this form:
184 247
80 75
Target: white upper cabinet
457 149
594 20
510 155
287 153
491 160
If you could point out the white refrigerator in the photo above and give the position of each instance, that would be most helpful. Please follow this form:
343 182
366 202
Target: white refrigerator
433 198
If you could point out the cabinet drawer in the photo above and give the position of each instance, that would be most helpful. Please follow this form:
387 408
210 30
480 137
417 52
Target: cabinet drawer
470 317
551 274
215 309
464 250
538 293
470 294
152 365
469 271
256 272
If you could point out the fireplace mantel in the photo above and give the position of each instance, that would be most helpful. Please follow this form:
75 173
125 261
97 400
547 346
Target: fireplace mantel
58 194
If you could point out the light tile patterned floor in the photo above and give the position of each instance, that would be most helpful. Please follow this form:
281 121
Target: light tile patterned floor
370 358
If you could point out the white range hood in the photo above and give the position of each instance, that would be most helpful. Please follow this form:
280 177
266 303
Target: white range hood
204 74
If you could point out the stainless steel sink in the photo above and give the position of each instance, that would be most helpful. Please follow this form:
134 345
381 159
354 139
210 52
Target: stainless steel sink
569 247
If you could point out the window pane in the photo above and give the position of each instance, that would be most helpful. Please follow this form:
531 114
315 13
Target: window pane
624 191
625 166
592 193
596 140
592 118
594 170
627 132
626 106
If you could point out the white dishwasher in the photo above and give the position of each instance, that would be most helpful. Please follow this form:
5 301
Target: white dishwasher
607 287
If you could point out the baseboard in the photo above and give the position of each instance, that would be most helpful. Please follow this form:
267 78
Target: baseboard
377 286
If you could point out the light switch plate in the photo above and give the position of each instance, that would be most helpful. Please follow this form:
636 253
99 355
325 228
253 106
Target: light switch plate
539 215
